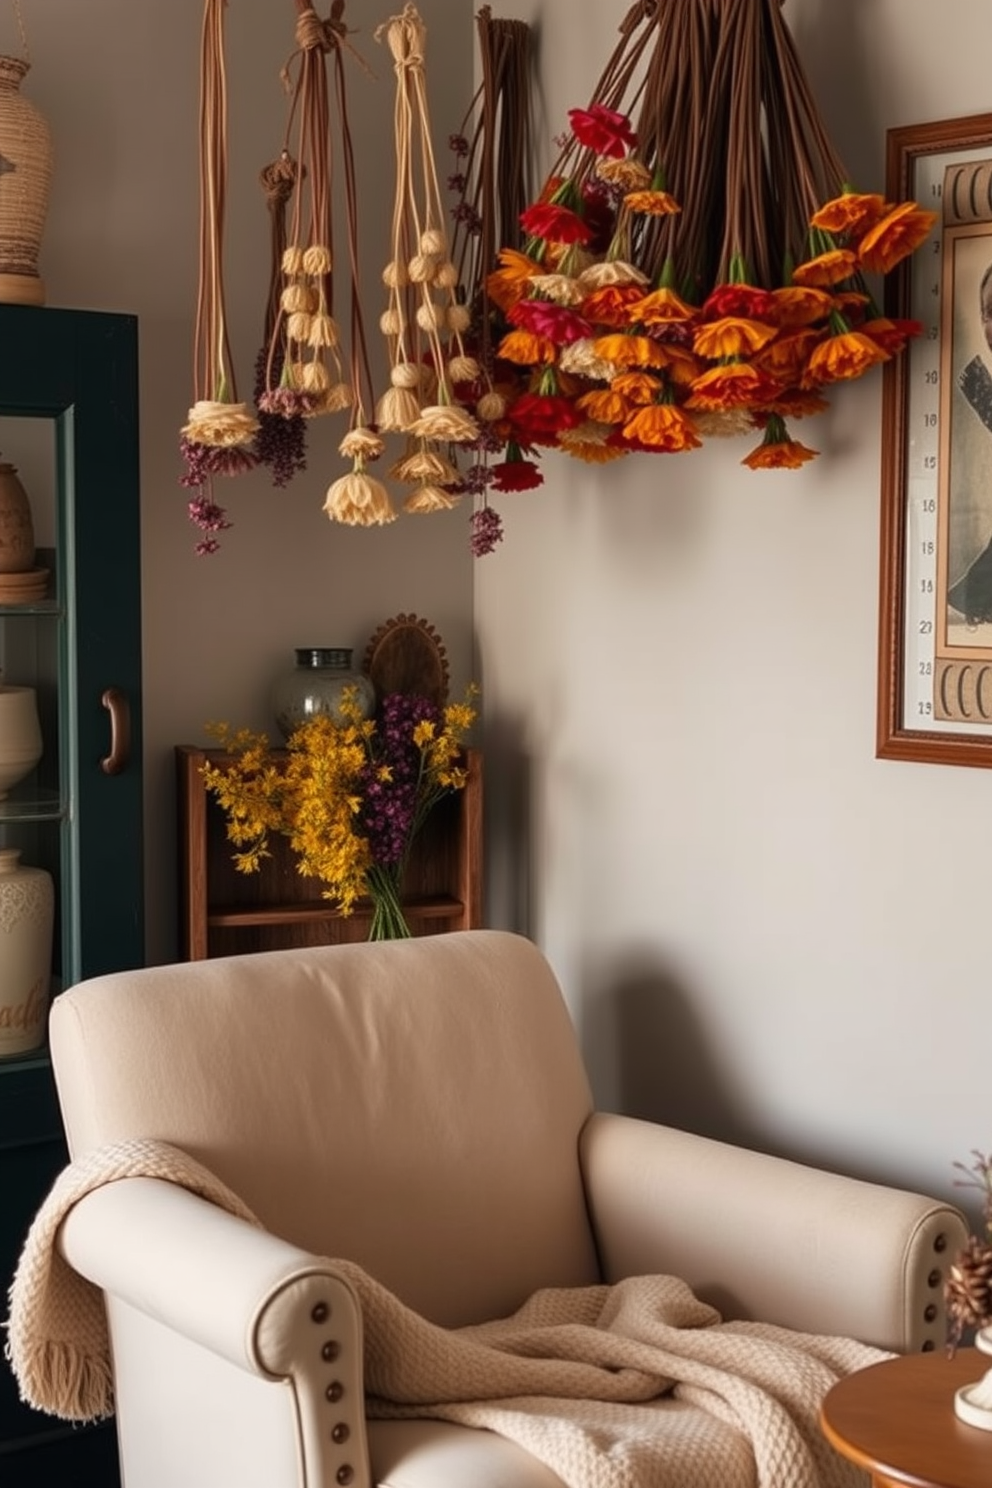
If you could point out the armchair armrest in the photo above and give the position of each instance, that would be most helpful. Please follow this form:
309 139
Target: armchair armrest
265 1307
765 1238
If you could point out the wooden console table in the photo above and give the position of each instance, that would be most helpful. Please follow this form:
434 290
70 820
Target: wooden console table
897 1420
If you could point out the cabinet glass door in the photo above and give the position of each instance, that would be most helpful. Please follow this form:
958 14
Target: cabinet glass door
68 422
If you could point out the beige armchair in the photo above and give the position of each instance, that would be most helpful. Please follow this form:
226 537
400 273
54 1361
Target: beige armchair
421 1109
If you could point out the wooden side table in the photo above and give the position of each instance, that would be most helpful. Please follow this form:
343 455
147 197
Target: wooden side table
897 1420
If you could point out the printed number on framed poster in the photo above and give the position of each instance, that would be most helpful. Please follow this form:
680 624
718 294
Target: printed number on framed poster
935 630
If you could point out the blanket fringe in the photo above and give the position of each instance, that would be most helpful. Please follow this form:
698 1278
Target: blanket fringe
67 1382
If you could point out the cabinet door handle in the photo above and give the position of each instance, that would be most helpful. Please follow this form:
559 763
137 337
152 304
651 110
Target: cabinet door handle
116 705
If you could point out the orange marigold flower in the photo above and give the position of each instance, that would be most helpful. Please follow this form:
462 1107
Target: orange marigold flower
681 366
736 385
786 357
629 351
731 336
660 307
891 335
846 356
777 451
526 349
898 235
663 427
637 387
508 283
609 306
604 406
800 305
651 203
796 403
826 268
851 212
851 304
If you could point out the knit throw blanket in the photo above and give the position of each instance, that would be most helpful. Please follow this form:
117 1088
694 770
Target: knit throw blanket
596 1382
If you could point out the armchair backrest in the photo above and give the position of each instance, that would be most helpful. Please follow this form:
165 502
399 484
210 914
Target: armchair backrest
414 1106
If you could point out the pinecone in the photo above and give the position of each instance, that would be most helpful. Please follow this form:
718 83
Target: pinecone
968 1290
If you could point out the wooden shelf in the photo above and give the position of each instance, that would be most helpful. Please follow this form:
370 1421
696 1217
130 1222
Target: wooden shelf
223 912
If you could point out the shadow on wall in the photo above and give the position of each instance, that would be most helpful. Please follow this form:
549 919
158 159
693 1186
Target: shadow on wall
508 829
648 1054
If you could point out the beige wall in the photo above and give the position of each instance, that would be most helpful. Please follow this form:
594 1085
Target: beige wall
764 931
118 82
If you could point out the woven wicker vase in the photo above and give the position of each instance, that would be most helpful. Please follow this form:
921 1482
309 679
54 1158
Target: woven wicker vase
25 178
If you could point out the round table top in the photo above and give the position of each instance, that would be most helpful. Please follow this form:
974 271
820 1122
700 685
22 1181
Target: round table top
897 1419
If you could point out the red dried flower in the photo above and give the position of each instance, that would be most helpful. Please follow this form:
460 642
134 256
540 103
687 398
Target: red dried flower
554 223
516 475
740 302
538 418
603 130
555 322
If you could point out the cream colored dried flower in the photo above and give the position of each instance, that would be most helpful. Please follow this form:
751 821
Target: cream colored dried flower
292 259
337 398
723 423
459 318
427 499
491 407
361 444
629 175
446 423
561 288
406 375
314 377
359 500
395 276
578 357
220 424
424 465
298 325
397 409
390 323
421 268
433 241
323 330
297 297
317 260
464 369
430 316
446 274
614 271
591 432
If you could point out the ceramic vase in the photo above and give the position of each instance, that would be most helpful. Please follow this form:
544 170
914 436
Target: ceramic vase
973 1403
21 744
316 685
25 181
27 920
17 550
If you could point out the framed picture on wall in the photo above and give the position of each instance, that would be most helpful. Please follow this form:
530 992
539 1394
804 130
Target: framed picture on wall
935 613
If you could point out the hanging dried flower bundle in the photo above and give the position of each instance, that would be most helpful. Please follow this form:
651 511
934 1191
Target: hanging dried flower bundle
491 181
219 434
424 321
312 365
696 262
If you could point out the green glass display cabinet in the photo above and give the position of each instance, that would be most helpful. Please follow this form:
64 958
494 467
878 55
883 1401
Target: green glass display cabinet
69 424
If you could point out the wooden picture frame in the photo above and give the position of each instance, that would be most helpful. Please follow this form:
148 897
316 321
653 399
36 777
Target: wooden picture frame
935 627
